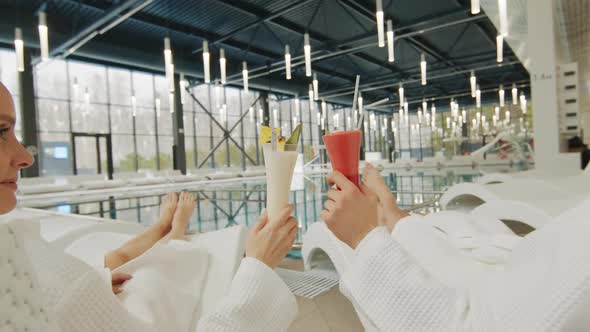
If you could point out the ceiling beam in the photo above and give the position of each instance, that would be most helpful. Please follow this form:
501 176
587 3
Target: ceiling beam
318 37
267 18
92 30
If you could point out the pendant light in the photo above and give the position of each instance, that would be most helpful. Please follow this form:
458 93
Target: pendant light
171 102
158 106
297 108
433 113
478 97
473 83
168 64
251 114
497 112
307 53
420 115
464 115
423 68
315 86
523 103
222 65
500 48
360 104
171 80
19 48
401 94
390 41
501 95
43 36
503 17
206 64
514 94
424 105
133 104
475 7
310 94
380 32
507 116
245 75
288 62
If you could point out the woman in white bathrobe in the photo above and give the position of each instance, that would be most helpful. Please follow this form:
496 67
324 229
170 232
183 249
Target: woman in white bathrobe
543 285
44 289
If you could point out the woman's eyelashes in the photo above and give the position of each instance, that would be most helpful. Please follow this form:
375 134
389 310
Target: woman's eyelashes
3 132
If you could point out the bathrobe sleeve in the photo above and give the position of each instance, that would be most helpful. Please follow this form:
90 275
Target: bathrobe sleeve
394 293
543 286
258 300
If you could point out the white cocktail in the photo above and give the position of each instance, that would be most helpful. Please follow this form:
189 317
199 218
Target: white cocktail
279 172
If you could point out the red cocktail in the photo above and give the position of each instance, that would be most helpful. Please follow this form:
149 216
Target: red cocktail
344 148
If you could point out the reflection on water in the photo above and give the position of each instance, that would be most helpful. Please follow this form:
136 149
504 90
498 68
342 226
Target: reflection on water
223 205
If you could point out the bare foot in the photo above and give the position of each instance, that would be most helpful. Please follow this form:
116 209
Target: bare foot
389 213
184 212
167 210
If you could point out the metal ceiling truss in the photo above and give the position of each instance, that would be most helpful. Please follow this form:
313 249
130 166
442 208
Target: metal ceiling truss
226 132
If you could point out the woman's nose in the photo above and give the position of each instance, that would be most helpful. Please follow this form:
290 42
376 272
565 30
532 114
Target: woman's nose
22 158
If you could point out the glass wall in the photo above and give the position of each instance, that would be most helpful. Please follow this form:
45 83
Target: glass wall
133 107
9 77
82 98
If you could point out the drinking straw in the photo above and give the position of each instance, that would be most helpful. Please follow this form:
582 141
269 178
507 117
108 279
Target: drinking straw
356 93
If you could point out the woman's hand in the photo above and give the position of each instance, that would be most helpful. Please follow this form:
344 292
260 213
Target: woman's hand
350 213
270 241
117 280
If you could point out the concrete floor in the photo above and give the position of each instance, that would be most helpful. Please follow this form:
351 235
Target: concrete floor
329 312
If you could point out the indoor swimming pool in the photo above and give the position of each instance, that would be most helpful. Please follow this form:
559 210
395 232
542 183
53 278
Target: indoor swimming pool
240 201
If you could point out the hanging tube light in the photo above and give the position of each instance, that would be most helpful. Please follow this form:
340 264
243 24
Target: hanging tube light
503 15
158 106
19 48
245 75
171 102
43 36
390 40
433 113
310 94
315 86
500 48
523 103
134 104
514 95
206 56
288 62
475 7
501 95
307 52
424 105
423 68
222 65
360 104
478 97
401 94
380 32
473 82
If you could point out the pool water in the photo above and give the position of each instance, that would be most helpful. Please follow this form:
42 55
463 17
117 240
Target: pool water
241 202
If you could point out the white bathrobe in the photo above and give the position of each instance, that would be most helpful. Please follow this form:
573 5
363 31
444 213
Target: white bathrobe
44 289
543 285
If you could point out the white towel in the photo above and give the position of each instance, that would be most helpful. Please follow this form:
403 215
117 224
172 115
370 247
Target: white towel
166 285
